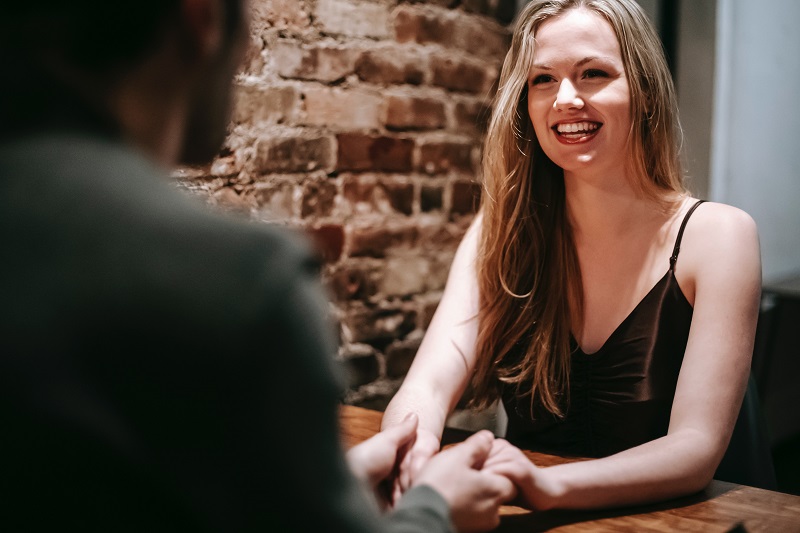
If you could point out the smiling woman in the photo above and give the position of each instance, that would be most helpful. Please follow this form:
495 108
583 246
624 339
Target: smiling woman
578 93
591 295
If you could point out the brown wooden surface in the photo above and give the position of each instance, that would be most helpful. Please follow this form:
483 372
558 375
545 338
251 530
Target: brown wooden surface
720 508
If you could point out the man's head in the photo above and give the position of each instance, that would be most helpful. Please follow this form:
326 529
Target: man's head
93 48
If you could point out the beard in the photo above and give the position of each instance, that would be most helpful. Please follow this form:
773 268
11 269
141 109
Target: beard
210 102
209 111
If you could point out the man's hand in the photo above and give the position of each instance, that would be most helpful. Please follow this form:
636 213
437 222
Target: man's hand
425 446
376 460
474 495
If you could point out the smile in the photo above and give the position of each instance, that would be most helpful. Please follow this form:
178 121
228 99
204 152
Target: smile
573 132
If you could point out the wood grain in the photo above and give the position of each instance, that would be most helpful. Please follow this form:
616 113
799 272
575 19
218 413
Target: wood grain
721 507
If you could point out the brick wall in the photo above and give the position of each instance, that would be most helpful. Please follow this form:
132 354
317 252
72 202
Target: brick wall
360 121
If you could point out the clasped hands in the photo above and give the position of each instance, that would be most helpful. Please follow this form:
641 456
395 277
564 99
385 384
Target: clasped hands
475 477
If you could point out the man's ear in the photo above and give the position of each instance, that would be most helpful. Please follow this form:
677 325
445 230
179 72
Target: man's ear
204 21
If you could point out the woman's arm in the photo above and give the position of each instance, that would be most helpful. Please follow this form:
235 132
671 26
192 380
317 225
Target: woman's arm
720 266
445 359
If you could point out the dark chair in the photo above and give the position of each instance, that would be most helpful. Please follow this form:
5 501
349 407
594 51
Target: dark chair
748 460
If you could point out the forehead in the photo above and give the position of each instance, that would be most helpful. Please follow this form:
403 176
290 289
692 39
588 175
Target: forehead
576 34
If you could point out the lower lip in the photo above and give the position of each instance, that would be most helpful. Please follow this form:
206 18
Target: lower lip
576 139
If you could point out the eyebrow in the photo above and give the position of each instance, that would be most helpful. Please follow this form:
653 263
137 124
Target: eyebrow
587 59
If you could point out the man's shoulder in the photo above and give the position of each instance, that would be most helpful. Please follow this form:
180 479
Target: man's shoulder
97 203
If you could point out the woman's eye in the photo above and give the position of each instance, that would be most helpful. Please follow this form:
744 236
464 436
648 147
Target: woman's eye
541 78
595 73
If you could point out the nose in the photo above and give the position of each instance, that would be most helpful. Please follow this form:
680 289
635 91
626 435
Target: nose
567 97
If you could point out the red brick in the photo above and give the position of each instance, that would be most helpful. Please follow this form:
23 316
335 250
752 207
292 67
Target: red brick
316 62
390 66
365 195
329 240
430 198
471 116
401 195
265 104
442 3
254 61
375 241
479 36
378 325
439 157
415 24
319 197
351 109
280 14
440 236
228 198
465 197
404 274
440 269
228 165
378 153
461 75
409 112
355 279
191 173
275 201
360 364
295 153
354 18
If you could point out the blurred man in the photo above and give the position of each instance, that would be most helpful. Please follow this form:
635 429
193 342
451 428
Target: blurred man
163 368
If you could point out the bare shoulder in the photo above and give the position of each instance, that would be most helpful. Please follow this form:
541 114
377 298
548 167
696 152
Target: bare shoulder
721 243
714 227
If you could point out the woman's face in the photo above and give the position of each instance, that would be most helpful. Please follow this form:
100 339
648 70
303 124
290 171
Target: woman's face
578 95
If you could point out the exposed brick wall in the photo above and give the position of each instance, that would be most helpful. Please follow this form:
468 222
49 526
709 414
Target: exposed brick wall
360 121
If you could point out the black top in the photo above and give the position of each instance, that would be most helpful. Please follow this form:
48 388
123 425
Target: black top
620 396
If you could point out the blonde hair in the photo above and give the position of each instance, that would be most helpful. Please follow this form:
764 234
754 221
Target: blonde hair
527 268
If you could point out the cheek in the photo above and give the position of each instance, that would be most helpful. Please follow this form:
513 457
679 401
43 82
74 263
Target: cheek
537 113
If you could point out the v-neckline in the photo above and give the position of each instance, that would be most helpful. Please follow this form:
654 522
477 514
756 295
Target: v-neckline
624 320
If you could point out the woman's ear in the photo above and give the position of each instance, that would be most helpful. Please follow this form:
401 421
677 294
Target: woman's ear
204 22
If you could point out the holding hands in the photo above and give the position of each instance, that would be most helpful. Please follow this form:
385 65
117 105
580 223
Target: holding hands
376 460
459 474
536 488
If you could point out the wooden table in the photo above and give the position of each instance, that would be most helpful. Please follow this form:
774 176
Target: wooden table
721 507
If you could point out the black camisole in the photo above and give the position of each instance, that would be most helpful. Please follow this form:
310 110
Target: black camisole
620 396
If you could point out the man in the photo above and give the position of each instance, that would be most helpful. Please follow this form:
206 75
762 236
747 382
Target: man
163 368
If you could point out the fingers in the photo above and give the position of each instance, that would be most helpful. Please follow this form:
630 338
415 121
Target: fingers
501 451
503 487
475 449
403 433
425 446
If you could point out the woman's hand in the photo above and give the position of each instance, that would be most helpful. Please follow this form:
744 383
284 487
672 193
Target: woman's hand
535 486
376 460
416 456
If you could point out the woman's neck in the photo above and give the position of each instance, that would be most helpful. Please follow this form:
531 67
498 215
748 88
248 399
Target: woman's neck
598 206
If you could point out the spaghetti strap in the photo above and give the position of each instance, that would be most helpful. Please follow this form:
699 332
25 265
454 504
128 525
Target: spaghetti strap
677 249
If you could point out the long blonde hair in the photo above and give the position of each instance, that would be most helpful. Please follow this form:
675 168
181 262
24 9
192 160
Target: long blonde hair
527 267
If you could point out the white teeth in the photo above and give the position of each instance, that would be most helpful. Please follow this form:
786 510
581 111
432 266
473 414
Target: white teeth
575 127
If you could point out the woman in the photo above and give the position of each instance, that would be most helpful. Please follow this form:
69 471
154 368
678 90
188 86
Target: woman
612 314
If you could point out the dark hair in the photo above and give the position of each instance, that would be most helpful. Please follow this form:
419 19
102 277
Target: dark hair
96 35
100 38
